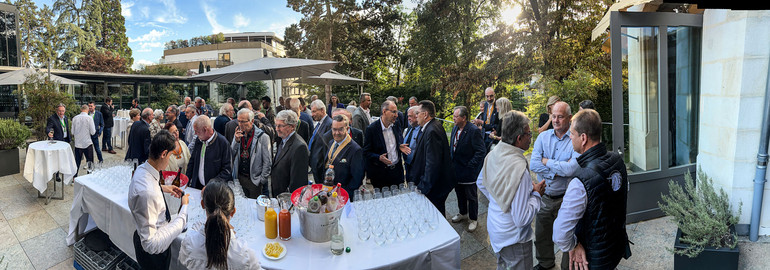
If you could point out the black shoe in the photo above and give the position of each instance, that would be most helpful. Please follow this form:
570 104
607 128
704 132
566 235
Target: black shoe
540 267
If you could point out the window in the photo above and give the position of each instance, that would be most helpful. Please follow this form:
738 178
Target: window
224 57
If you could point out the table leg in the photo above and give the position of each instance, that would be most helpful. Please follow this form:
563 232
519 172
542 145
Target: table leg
50 194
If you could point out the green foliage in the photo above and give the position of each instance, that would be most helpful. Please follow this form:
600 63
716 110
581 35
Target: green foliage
42 97
256 90
163 95
12 134
703 215
195 41
161 70
114 31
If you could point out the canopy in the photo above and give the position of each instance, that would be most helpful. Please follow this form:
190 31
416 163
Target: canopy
267 68
331 78
20 76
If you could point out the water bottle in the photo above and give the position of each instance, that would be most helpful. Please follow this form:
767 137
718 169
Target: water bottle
329 179
338 239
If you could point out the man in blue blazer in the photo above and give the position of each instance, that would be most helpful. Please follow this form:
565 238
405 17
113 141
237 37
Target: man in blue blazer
488 117
318 147
139 138
212 151
466 147
382 148
432 164
99 124
346 156
60 125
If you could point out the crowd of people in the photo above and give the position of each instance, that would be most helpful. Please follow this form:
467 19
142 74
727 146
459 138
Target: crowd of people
577 200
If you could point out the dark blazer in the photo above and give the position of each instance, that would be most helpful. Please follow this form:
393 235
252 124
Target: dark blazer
289 170
493 121
329 108
58 134
106 111
98 124
139 141
400 122
216 164
468 155
357 134
374 146
432 163
303 129
304 117
318 149
348 166
219 123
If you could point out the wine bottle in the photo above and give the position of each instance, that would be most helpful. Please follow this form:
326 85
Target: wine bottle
176 179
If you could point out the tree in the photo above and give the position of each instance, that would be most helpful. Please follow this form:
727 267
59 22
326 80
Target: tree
161 70
101 60
27 23
114 31
80 27
42 97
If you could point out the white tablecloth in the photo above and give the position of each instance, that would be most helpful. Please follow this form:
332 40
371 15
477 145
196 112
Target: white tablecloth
44 159
122 113
438 249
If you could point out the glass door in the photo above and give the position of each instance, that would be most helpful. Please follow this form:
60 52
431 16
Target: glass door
655 88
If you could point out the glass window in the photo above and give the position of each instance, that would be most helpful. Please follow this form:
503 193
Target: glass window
683 90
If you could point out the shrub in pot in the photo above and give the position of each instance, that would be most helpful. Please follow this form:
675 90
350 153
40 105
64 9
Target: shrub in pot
706 224
12 136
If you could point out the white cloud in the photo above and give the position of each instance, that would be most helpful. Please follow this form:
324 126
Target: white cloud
212 18
145 12
241 21
279 27
140 63
153 35
126 9
171 14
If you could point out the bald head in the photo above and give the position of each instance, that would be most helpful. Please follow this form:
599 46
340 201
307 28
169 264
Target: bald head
561 115
489 95
146 114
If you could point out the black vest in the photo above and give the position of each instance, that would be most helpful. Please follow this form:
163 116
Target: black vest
602 229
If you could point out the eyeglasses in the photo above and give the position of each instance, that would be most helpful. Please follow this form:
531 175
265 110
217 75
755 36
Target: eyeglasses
282 125
243 122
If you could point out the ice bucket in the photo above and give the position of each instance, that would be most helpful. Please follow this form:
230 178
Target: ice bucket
317 227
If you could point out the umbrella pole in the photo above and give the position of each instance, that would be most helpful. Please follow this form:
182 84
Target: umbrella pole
275 98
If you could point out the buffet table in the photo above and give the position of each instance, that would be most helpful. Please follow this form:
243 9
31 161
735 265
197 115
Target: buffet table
436 249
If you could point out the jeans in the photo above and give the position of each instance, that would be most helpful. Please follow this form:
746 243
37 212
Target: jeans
107 139
95 145
467 197
79 152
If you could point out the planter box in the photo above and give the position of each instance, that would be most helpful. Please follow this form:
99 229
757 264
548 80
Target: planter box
10 162
710 258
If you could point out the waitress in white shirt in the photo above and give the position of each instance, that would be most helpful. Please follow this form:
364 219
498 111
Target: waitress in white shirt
155 230
212 245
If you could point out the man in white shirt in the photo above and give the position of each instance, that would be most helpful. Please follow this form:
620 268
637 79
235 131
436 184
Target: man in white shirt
82 129
155 230
510 214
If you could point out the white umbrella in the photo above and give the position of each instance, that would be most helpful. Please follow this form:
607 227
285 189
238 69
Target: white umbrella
20 76
331 78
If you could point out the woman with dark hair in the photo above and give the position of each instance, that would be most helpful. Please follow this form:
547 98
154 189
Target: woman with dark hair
212 245
334 103
181 154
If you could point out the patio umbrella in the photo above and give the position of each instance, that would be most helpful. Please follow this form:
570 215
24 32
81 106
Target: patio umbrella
330 78
267 68
20 76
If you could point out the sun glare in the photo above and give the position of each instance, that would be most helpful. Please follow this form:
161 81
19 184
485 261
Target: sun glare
510 14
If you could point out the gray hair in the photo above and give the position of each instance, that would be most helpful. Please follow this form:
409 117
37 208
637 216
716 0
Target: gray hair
392 98
294 104
84 107
202 121
342 118
61 105
463 111
363 97
174 109
197 99
413 98
503 106
567 107
225 107
514 123
317 105
287 116
386 104
413 108
147 113
157 114
248 112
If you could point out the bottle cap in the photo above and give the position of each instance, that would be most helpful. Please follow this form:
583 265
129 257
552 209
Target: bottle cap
315 198
331 166
334 194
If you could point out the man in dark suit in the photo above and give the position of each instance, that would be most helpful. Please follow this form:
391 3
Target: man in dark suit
226 113
432 161
356 134
290 164
135 104
59 124
345 155
211 156
382 141
139 138
303 128
281 103
401 120
488 117
467 151
106 111
267 110
318 147
99 125
305 116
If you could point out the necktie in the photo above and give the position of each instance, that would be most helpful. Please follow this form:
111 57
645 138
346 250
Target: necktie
335 147
312 138
168 214
409 135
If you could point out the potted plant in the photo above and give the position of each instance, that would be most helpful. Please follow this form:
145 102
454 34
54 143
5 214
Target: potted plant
12 136
705 237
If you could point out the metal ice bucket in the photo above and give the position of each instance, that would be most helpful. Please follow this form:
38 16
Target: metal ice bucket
317 227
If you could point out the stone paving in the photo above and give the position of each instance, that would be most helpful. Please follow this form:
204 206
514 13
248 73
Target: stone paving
32 234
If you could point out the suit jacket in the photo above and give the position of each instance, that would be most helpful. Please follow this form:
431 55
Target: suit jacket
348 166
98 124
329 108
305 117
106 111
360 120
216 164
432 163
468 154
139 141
374 146
219 123
400 122
357 134
492 122
58 133
303 129
289 170
318 149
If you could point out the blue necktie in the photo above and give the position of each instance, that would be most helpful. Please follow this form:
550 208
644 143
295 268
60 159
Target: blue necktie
312 137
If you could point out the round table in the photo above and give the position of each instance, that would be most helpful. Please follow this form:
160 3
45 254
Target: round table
46 158
122 113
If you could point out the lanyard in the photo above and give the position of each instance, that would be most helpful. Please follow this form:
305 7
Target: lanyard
489 112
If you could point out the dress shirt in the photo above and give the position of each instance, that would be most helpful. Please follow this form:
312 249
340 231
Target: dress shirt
562 161
192 253
412 143
572 208
147 205
82 129
368 115
64 130
283 142
203 158
390 142
189 131
514 227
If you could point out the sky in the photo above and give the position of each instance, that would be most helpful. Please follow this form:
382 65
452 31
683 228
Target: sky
151 23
